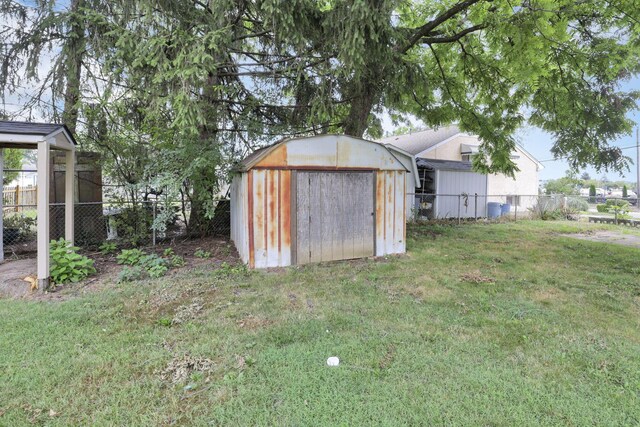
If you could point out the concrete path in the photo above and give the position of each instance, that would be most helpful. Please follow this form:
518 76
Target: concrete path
632 240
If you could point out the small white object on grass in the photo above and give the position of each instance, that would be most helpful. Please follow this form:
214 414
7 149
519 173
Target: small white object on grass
333 361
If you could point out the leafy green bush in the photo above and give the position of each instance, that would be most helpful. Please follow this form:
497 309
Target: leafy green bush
25 226
169 252
577 204
199 253
602 208
157 271
177 261
142 263
130 257
130 274
66 264
547 208
149 261
617 202
107 248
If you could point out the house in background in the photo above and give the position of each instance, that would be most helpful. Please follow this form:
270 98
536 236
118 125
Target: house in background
444 157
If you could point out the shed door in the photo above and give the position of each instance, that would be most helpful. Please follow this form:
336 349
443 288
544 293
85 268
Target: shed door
335 216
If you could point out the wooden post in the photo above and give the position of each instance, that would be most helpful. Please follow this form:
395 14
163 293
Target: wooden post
1 205
69 196
43 215
17 189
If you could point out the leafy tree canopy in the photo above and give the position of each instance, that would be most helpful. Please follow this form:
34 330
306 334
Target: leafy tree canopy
211 79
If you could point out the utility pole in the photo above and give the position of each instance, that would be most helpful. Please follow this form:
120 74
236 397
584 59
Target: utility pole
638 166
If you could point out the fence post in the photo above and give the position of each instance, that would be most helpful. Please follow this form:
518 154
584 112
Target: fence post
515 215
459 198
17 198
475 202
1 205
153 226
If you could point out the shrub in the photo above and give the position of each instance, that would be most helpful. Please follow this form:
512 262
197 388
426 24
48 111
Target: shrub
577 204
168 252
547 208
66 264
617 202
151 260
150 264
602 208
625 191
107 248
130 274
177 261
24 226
199 253
592 193
130 256
136 222
157 271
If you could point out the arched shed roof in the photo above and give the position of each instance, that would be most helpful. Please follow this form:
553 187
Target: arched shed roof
323 151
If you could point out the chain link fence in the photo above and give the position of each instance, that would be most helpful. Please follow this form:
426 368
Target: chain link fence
459 207
124 223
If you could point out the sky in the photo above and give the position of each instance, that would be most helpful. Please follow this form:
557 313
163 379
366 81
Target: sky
538 143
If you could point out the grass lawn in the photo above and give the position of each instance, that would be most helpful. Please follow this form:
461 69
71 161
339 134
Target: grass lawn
505 324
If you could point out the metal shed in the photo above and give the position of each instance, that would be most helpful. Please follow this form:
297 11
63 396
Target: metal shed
451 188
319 198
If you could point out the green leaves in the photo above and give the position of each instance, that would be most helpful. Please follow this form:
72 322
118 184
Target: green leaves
66 264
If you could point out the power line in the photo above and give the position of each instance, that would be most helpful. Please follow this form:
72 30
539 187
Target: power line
566 157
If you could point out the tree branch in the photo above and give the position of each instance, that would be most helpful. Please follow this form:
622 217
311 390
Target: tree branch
453 38
427 28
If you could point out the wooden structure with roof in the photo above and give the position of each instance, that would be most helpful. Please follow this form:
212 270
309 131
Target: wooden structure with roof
44 137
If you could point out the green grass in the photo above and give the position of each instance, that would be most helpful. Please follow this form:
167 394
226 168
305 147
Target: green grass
504 324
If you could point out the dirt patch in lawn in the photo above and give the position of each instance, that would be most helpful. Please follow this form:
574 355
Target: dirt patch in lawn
12 274
608 237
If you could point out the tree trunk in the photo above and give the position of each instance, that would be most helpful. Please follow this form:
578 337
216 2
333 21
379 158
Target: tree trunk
73 61
358 119
199 224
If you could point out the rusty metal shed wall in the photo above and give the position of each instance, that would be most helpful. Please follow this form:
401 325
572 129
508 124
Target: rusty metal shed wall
240 215
270 218
390 212
261 196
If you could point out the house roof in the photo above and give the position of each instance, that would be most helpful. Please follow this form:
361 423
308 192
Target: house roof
28 128
253 158
417 142
452 165
328 141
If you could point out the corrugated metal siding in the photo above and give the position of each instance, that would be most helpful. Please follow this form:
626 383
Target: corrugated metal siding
458 182
239 216
331 151
262 197
270 218
390 212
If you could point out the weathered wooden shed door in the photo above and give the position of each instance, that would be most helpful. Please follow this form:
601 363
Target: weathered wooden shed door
334 216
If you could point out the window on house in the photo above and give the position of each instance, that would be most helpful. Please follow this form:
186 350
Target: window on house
513 200
467 157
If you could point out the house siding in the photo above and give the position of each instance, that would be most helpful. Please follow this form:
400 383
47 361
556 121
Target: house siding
525 182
